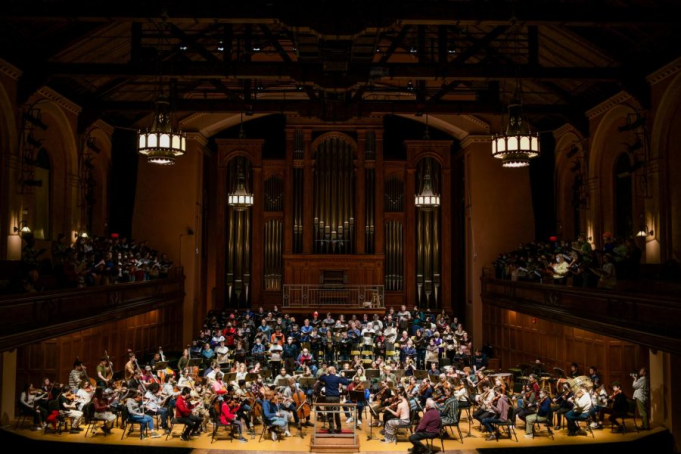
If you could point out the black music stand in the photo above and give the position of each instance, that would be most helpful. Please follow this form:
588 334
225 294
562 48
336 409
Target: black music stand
420 374
349 373
251 377
307 382
160 365
377 417
229 377
357 397
372 374
282 383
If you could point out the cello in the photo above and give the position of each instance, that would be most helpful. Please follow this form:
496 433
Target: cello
302 405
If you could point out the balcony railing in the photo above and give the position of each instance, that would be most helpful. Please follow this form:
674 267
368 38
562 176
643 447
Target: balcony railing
651 320
361 296
34 317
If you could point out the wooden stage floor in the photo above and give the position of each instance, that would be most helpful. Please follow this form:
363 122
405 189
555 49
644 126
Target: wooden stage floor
202 444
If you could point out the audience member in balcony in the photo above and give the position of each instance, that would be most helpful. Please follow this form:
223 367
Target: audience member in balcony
29 256
607 273
632 259
31 282
59 248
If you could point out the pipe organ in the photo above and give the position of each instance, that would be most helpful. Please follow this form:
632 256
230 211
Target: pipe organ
332 204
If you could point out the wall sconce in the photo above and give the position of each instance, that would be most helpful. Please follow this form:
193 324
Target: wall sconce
24 229
643 229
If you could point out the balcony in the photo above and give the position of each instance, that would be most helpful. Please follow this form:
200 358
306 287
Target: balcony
34 317
651 320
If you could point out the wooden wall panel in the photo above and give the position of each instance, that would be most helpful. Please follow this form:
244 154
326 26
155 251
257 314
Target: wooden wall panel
143 333
519 338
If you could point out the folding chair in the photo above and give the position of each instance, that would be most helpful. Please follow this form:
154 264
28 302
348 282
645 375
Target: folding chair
91 420
508 425
217 424
126 421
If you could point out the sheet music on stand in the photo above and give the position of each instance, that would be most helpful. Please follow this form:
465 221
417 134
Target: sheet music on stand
195 362
160 365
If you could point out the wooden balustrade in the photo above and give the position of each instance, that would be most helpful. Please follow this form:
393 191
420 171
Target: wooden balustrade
650 320
34 317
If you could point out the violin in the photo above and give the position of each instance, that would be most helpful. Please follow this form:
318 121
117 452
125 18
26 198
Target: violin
423 389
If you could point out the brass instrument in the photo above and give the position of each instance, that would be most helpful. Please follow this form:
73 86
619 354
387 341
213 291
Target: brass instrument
579 382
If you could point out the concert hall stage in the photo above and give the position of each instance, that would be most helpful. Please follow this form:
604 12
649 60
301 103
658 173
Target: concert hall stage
657 440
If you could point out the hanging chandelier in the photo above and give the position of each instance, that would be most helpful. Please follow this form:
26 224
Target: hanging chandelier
160 143
240 199
518 144
427 200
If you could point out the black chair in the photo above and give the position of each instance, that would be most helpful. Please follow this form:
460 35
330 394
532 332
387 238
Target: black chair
173 422
62 423
536 426
217 424
24 415
125 417
409 427
267 426
91 420
631 414
508 425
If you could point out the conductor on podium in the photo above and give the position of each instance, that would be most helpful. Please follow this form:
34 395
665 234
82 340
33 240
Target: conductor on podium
332 383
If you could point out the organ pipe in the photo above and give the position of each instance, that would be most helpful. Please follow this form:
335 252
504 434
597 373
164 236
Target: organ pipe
394 256
238 254
428 240
333 217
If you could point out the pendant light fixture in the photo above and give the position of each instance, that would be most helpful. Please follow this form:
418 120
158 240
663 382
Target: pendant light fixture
240 199
518 144
160 143
427 200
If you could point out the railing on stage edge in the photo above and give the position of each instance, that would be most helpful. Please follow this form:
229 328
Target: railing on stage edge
361 296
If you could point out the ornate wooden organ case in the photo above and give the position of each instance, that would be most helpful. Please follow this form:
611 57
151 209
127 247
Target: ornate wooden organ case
334 205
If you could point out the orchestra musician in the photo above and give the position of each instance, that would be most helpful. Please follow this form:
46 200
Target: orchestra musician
102 410
617 407
67 406
183 362
104 372
153 400
135 407
130 367
579 412
542 415
77 376
287 403
562 404
272 416
499 410
527 403
485 403
381 400
183 411
229 415
29 405
357 385
401 417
